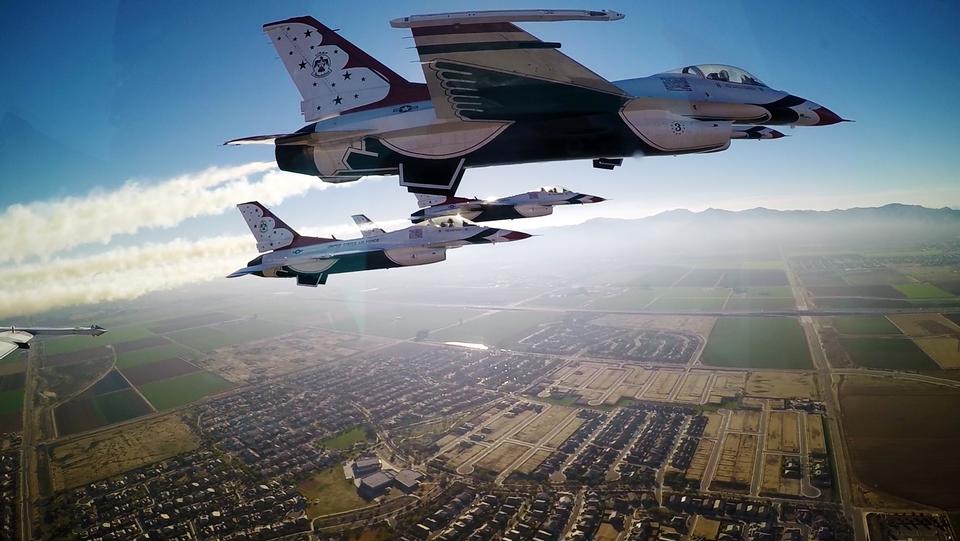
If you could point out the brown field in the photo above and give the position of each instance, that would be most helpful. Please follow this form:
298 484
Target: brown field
638 376
693 387
695 324
705 528
505 424
607 378
97 456
663 383
783 432
772 482
944 350
917 325
744 421
565 432
727 385
623 391
903 439
700 458
187 322
158 370
502 456
531 463
816 443
735 468
581 375
781 385
457 457
543 424
713 425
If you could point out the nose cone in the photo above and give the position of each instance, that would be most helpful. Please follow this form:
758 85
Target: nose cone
98 330
507 236
593 199
826 116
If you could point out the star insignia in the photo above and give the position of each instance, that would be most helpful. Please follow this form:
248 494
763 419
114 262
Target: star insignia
346 75
303 65
355 96
363 78
307 33
337 100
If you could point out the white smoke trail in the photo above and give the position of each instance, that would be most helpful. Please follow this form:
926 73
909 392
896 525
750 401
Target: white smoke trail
42 229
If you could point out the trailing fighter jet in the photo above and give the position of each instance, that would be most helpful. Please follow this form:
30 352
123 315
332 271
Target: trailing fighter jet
311 259
524 205
494 95
14 338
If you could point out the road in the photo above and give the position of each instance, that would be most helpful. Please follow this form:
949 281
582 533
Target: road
27 449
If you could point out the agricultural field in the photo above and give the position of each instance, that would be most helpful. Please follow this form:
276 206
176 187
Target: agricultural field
626 299
864 325
887 353
11 400
920 325
188 322
110 400
498 328
148 372
757 342
902 439
945 351
173 392
548 420
735 468
688 303
328 491
138 357
922 291
781 385
206 339
783 432
760 303
773 482
97 456
116 335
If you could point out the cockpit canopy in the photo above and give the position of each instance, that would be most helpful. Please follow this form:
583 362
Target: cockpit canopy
553 189
447 222
720 72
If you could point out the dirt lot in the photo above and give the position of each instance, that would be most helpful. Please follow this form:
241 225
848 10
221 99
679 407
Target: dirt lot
903 439
945 351
781 385
744 421
713 425
816 443
607 378
90 458
783 432
543 424
638 376
663 384
531 463
505 424
699 462
581 375
735 469
695 324
773 483
459 456
565 432
693 387
502 456
623 391
727 385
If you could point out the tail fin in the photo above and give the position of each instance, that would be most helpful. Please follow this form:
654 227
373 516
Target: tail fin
271 233
332 74
367 227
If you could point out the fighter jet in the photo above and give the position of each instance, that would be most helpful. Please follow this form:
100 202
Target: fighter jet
494 95
311 259
524 205
14 338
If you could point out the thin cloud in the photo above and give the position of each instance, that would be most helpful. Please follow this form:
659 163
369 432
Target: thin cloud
45 228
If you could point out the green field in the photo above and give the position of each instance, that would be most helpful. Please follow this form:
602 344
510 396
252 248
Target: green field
760 303
770 291
757 342
215 337
688 303
887 353
864 325
922 291
385 320
112 336
495 329
345 440
149 355
11 400
173 392
693 292
329 492
120 406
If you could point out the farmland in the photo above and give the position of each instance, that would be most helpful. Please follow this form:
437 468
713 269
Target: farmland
922 291
757 342
781 385
902 439
887 353
173 392
497 328
864 325
148 372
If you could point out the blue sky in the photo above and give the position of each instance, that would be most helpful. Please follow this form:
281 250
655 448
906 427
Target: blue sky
95 93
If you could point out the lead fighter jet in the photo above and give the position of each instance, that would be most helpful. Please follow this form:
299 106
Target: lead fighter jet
525 205
311 259
495 95
14 338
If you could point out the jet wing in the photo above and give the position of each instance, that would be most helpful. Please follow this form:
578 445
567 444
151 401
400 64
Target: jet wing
277 263
6 348
481 66
9 341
